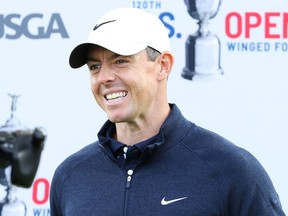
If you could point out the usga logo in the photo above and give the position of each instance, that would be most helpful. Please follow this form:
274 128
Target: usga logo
13 26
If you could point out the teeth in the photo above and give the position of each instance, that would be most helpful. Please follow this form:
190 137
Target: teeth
116 95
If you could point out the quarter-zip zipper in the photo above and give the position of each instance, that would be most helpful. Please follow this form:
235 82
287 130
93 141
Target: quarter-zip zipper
129 178
127 191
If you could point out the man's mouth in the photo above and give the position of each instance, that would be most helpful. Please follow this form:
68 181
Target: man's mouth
116 96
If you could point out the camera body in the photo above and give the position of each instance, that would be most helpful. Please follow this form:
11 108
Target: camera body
21 149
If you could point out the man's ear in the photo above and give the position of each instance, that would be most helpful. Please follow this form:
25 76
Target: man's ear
166 62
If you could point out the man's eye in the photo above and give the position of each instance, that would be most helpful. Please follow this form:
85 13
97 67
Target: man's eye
94 67
121 61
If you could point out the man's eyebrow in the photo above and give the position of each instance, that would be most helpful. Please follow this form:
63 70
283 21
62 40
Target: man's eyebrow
113 56
91 59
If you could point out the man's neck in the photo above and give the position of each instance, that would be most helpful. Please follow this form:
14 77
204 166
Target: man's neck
142 129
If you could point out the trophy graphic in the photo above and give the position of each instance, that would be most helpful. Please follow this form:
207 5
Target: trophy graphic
20 152
202 48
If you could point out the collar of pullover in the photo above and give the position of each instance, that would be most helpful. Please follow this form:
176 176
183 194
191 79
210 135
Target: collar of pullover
167 135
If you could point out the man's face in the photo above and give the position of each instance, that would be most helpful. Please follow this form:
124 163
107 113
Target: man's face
125 87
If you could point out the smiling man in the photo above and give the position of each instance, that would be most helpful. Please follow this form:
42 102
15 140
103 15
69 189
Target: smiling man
149 159
131 90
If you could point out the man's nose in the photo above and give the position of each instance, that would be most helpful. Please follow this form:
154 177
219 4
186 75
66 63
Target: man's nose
106 75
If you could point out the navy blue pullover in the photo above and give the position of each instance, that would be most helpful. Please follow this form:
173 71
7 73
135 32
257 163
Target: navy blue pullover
187 171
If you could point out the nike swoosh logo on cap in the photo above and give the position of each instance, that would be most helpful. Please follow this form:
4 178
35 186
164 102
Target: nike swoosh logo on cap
98 25
167 202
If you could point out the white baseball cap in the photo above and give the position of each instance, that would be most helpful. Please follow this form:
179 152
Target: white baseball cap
125 31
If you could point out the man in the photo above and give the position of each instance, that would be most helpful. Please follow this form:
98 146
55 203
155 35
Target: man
150 160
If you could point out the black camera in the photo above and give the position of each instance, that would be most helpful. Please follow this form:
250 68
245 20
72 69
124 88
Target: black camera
22 151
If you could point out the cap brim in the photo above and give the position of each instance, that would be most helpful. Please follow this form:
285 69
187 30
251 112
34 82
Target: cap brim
78 56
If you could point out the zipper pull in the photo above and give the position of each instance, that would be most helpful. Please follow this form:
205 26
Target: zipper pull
129 178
